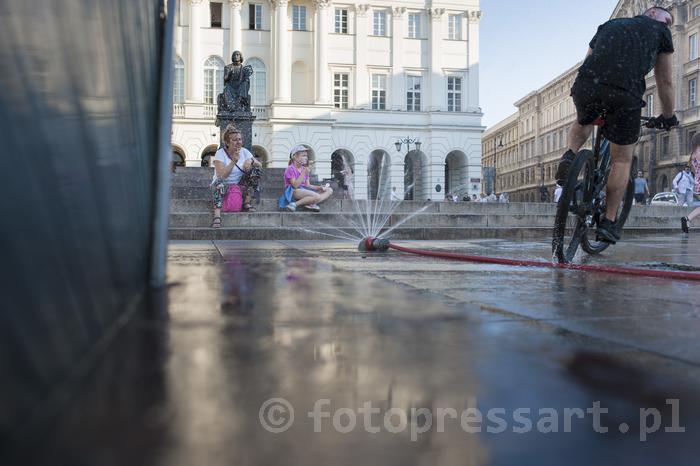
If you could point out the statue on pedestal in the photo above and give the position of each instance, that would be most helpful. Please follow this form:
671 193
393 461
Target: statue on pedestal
236 95
233 104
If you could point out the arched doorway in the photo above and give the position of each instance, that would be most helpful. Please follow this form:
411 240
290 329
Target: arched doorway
456 173
178 157
260 154
343 168
663 184
208 156
378 175
414 176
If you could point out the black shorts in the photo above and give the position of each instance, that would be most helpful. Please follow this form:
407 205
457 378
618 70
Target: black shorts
623 110
639 198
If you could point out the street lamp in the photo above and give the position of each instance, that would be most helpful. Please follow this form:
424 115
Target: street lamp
490 172
543 190
408 141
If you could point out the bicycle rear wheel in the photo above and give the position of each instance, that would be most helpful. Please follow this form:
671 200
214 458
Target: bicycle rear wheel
573 207
588 242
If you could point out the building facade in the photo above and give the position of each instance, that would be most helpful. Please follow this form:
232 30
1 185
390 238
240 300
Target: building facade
545 115
348 80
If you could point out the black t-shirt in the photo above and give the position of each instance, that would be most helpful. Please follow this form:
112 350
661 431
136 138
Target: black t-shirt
624 52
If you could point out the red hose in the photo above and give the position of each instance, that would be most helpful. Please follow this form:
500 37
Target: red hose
554 265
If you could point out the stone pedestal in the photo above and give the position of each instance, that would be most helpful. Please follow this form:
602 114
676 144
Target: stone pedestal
244 123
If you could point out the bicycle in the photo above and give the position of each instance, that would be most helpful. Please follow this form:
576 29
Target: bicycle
582 201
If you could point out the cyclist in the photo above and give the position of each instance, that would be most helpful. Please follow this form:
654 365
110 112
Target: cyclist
612 78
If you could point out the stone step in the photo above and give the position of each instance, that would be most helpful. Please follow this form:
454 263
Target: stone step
203 204
407 233
421 220
267 191
203 176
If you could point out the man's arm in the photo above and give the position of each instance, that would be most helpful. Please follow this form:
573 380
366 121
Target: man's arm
664 82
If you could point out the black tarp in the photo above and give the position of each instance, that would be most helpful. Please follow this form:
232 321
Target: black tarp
79 119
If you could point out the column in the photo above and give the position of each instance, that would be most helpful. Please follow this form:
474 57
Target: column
235 40
397 84
195 63
471 91
437 85
361 80
283 72
323 94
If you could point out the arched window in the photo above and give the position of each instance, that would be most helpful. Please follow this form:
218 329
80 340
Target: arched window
258 83
178 81
213 79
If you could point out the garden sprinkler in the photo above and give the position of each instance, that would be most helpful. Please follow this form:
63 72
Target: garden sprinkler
373 244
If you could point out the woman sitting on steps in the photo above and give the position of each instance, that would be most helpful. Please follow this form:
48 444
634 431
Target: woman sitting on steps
235 174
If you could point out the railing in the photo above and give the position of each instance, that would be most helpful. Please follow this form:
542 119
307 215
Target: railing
209 111
261 113
199 111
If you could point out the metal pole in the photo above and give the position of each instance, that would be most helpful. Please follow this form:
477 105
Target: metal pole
159 239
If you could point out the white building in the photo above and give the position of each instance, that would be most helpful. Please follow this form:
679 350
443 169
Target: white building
346 79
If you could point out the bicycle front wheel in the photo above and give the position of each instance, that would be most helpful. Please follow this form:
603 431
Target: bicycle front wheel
573 207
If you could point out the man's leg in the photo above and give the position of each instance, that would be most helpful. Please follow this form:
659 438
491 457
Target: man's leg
578 134
618 178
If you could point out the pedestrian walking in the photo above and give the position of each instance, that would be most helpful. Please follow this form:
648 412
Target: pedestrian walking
641 189
683 185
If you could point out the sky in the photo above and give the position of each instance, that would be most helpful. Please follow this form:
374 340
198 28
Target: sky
524 44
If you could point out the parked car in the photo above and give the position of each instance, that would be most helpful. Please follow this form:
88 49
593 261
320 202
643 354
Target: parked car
667 198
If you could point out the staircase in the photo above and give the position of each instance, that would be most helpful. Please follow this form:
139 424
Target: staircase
191 215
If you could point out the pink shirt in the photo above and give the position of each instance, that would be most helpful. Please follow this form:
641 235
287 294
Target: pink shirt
696 168
291 173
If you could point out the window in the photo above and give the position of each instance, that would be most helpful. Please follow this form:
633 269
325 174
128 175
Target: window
215 14
258 83
664 145
379 23
254 16
650 105
213 79
691 134
692 47
454 94
298 18
341 21
413 94
454 27
695 12
414 25
178 81
692 92
378 92
340 90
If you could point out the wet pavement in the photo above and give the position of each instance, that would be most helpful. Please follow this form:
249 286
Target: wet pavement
398 359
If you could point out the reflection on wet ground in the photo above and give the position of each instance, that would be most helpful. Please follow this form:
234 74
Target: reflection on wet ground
450 363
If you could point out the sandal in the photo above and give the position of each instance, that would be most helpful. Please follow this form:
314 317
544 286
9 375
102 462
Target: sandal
312 207
216 223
